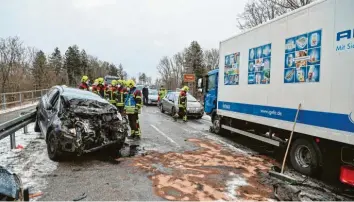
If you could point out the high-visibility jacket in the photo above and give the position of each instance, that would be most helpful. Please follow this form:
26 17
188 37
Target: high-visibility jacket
121 96
100 90
132 104
111 94
83 86
182 99
162 93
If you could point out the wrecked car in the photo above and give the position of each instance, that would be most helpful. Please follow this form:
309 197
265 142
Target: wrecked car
78 121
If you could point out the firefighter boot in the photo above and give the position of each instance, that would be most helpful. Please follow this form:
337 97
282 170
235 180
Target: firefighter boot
185 118
175 117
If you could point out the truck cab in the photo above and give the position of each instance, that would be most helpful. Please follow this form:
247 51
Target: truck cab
210 89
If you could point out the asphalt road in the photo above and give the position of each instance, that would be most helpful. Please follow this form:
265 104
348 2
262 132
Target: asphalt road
14 114
176 161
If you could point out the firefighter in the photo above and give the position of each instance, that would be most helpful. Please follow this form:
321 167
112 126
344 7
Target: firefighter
121 94
162 93
84 83
100 89
182 104
112 92
132 107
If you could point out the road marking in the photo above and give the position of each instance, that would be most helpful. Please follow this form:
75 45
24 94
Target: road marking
159 131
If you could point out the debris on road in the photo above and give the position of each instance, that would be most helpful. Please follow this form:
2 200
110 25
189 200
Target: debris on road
82 196
209 173
34 195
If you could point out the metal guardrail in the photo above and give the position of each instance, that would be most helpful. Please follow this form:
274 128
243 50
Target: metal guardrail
10 127
19 98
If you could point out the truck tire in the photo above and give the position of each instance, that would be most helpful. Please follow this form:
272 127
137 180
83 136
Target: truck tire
217 125
53 148
304 156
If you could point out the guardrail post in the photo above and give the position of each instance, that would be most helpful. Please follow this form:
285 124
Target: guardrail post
20 99
13 141
32 96
25 129
4 101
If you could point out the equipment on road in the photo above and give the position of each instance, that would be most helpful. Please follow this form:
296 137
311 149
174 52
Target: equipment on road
263 76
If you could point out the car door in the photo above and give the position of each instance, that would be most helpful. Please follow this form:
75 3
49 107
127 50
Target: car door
48 109
171 101
164 102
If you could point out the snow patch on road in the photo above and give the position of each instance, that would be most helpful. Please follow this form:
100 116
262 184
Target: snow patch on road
31 164
233 184
17 108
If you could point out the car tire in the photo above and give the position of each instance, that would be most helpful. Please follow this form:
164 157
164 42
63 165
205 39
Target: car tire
173 111
304 157
161 109
53 148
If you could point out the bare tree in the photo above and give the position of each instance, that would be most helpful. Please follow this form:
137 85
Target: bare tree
257 12
165 70
292 4
11 53
211 59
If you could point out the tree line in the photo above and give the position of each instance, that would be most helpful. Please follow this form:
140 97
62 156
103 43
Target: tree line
190 60
28 68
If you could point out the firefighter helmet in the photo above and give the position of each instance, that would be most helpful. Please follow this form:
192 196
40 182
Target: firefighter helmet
185 88
84 78
130 83
100 80
114 82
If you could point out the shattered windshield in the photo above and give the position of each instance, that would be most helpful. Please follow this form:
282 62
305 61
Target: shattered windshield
82 95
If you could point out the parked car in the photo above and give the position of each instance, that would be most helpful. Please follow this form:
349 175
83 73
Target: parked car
78 121
108 79
153 97
170 104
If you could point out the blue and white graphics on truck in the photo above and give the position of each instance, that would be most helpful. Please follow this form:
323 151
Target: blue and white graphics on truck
306 57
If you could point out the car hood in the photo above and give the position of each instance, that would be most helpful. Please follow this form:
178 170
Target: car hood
194 104
153 97
89 107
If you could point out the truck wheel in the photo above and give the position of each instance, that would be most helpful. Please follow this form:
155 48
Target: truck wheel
217 125
53 148
304 157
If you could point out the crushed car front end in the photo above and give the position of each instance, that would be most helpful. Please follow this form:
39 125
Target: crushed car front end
86 125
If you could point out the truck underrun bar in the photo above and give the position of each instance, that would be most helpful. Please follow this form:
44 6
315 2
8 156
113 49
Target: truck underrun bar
251 135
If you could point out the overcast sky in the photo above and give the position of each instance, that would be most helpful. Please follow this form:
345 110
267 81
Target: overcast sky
136 33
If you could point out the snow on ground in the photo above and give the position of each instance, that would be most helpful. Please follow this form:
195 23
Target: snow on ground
17 108
31 164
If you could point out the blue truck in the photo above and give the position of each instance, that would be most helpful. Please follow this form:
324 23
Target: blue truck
279 78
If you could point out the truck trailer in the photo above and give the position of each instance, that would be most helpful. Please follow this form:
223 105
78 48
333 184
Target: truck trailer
265 73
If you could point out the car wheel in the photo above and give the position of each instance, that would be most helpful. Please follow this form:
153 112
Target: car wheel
53 148
304 157
173 111
161 109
